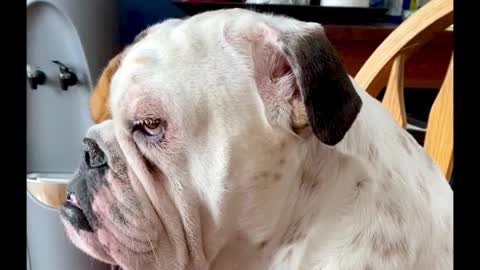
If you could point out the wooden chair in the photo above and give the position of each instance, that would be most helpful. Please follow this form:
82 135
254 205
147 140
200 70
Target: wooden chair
385 67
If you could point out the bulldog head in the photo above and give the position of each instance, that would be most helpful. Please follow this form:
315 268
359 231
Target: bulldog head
208 126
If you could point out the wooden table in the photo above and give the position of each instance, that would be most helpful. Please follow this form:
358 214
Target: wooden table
425 69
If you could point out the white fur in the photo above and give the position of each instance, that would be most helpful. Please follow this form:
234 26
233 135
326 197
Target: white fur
226 140
282 2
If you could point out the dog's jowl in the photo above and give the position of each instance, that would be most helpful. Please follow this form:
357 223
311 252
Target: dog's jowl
236 140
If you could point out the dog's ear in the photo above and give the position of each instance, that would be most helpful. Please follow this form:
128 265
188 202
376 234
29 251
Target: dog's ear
99 109
301 58
330 100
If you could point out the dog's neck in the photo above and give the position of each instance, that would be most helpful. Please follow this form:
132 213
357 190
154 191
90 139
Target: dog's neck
311 209
323 201
315 201
367 135
328 199
326 204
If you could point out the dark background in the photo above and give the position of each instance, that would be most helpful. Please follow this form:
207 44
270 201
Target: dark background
135 15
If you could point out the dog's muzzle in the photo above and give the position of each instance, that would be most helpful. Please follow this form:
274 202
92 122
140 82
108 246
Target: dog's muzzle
77 208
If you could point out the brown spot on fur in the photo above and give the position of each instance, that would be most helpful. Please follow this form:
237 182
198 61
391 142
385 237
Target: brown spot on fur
289 253
292 232
387 248
395 212
392 210
308 184
262 244
140 60
281 161
277 176
263 174
99 110
298 116
289 241
395 249
303 179
306 180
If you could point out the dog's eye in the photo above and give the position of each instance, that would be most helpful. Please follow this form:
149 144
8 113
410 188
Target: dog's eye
151 127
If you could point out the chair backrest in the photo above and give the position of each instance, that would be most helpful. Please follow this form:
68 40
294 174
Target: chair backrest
385 67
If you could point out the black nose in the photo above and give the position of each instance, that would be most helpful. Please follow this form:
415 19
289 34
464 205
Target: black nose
94 156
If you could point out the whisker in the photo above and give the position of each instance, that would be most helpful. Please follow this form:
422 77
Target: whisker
153 250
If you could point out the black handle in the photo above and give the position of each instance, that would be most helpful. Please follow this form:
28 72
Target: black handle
35 77
67 77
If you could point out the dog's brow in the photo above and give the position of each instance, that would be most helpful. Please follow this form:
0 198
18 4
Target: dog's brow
146 107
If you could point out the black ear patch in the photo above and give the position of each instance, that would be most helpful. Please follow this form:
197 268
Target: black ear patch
330 99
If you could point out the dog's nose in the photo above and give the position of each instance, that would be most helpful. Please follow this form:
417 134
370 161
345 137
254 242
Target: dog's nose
94 156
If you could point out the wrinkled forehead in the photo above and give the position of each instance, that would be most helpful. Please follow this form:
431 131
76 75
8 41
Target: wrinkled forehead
182 66
171 59
177 65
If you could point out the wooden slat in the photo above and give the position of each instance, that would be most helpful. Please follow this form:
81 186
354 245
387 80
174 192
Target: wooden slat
418 29
439 136
393 99
425 68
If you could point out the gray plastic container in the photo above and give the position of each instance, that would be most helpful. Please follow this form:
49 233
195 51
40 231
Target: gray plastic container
83 35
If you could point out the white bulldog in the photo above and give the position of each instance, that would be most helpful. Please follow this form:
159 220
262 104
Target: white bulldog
279 2
238 141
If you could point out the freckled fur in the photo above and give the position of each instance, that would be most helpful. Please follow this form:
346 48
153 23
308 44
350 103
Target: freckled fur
211 200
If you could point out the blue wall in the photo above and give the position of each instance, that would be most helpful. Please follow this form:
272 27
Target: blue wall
136 15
